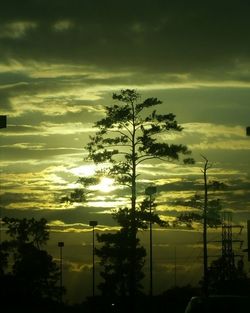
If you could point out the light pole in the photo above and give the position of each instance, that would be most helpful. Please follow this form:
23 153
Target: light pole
93 224
248 222
175 268
61 245
3 124
205 256
149 191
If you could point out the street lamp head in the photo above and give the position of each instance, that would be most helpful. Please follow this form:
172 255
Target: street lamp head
149 191
93 223
248 131
60 244
3 121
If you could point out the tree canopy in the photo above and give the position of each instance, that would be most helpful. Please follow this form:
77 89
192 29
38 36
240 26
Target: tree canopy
30 274
130 133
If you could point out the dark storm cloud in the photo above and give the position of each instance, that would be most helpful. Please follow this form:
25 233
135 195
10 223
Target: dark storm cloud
12 78
159 35
235 197
36 152
67 216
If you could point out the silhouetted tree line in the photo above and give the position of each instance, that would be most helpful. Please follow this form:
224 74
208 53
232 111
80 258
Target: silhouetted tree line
29 275
130 133
227 279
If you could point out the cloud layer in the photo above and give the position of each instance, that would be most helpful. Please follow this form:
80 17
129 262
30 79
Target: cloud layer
61 61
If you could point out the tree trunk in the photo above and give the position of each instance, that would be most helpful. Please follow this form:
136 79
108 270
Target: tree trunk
133 219
205 264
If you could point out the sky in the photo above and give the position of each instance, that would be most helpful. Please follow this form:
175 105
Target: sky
60 63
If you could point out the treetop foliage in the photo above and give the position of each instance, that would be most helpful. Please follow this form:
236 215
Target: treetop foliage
27 230
129 135
131 132
30 274
196 203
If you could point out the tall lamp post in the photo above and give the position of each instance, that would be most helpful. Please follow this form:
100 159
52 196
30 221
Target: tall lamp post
248 222
61 245
93 224
3 124
149 191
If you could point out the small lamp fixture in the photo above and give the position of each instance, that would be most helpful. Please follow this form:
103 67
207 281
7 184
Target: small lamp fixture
149 191
248 131
3 121
93 223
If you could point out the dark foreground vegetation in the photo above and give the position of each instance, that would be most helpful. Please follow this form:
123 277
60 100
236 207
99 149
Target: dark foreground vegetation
173 300
128 135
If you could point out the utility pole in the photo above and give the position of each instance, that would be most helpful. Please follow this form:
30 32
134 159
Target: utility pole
227 242
150 191
205 262
3 124
248 222
61 245
175 268
93 224
248 240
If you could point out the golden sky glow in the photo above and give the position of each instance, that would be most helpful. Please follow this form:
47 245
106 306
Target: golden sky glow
59 70
105 185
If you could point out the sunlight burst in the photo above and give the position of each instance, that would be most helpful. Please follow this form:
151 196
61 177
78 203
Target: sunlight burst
83 170
105 185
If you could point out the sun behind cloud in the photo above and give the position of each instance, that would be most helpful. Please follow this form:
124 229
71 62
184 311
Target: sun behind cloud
83 170
106 185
